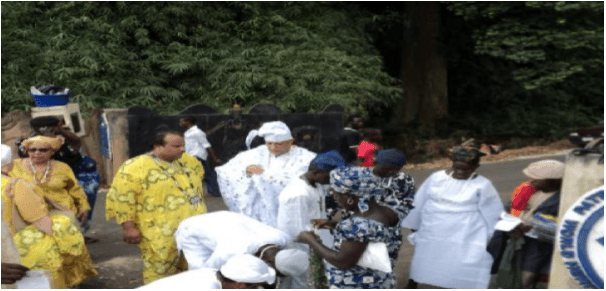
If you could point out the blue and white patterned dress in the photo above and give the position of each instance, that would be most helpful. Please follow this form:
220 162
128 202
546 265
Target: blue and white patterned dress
396 192
360 229
86 173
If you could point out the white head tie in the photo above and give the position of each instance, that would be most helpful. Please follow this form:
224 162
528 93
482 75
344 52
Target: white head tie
247 268
250 137
7 155
275 131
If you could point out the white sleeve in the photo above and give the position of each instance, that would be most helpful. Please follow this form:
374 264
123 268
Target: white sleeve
203 140
190 144
490 206
234 184
413 220
293 213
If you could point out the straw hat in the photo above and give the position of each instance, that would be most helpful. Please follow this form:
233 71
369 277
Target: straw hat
545 169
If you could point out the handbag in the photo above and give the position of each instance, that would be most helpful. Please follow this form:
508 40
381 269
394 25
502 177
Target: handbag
376 257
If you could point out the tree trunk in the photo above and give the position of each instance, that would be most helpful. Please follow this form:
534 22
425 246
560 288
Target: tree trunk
424 69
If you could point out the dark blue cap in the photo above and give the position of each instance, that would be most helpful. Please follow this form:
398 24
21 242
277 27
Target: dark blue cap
390 158
328 161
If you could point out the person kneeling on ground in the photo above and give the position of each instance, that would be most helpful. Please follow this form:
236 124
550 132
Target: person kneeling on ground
209 240
239 272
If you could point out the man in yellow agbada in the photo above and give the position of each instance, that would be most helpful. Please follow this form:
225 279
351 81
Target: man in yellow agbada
150 195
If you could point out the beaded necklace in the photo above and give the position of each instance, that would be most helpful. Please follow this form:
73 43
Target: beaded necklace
45 177
193 199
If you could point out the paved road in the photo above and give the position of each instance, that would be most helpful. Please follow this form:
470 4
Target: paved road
119 264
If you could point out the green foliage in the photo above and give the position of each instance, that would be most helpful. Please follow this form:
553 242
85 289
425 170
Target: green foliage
529 74
301 56
318 271
551 41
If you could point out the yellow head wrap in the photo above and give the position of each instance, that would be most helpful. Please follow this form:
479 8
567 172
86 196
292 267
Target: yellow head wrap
54 142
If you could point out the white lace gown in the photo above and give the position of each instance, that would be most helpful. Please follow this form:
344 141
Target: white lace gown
257 196
209 240
454 220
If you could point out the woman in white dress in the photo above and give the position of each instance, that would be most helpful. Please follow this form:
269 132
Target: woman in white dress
454 217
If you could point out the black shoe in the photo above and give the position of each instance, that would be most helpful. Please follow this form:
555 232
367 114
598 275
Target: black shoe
90 240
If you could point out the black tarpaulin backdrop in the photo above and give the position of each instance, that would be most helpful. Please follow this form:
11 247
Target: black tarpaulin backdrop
227 132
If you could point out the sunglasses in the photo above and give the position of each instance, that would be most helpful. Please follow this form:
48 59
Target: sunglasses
33 150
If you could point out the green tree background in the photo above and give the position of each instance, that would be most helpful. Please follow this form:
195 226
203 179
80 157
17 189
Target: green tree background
167 55
514 68
536 68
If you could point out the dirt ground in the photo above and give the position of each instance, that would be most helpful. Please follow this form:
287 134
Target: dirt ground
507 154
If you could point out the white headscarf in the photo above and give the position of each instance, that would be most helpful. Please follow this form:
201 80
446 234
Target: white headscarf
275 131
292 262
247 268
7 155
250 137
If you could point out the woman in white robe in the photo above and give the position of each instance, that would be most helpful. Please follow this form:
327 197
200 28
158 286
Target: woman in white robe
251 181
454 218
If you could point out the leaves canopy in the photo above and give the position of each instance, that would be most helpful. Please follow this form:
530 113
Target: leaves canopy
536 68
551 41
168 55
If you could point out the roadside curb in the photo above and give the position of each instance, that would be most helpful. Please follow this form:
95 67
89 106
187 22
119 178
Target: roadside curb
553 154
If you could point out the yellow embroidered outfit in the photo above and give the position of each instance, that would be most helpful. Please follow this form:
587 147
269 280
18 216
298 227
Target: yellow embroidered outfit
61 184
63 253
156 196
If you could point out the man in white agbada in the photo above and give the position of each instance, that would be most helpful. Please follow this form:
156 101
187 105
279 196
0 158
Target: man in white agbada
239 272
209 240
303 199
454 215
251 181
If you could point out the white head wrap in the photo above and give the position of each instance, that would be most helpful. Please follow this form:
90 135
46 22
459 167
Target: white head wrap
545 169
247 268
275 131
292 262
250 137
7 155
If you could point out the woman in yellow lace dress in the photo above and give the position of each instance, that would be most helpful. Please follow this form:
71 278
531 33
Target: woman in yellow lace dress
53 179
44 242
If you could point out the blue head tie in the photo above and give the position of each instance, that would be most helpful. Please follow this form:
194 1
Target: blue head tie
356 181
391 158
328 161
